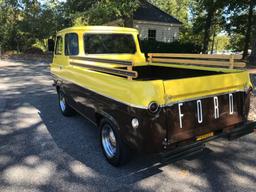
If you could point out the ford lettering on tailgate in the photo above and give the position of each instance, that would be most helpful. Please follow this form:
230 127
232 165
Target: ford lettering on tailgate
192 118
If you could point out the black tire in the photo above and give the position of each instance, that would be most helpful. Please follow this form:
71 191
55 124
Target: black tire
65 109
122 154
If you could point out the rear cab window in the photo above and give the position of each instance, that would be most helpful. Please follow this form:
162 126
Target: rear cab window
109 44
71 44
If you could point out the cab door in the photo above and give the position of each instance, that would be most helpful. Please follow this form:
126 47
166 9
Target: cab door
79 98
59 59
60 66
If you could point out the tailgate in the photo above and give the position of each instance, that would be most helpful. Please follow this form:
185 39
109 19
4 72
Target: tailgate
189 88
196 106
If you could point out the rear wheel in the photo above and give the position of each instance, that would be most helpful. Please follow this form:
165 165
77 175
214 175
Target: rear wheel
115 151
65 109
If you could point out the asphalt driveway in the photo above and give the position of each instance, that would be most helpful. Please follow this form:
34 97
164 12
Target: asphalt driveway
40 150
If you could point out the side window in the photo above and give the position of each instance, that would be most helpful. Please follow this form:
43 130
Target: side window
71 44
59 46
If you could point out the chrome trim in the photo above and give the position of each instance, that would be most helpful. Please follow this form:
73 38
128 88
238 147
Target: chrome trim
197 98
152 103
108 140
135 123
62 102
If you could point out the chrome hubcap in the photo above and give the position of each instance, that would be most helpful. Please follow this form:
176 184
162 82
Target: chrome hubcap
62 102
108 140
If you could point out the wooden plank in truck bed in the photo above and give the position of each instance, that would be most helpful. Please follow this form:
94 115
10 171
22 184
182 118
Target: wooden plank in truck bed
230 61
105 66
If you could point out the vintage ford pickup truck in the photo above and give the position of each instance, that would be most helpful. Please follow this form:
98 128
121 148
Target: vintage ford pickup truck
163 103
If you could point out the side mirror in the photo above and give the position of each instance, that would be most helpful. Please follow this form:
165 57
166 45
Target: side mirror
51 45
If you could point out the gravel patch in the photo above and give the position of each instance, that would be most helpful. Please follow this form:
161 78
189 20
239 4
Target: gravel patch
252 115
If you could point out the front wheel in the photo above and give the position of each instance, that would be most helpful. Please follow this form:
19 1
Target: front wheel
65 109
115 151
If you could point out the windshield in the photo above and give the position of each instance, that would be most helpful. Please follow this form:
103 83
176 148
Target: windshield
109 44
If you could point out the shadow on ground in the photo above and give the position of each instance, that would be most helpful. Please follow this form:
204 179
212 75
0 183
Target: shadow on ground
41 150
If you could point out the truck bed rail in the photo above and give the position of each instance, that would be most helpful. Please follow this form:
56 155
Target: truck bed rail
105 66
231 61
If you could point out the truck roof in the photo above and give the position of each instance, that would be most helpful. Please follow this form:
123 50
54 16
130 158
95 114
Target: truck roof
100 29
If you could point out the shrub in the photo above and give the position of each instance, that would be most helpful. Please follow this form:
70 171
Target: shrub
34 50
148 46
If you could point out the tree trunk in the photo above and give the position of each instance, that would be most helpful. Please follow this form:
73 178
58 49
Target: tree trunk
128 21
213 40
207 28
249 29
252 58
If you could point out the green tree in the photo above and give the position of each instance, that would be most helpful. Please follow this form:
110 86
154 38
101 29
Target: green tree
27 22
252 58
208 19
9 16
241 21
101 11
76 11
176 8
109 10
221 42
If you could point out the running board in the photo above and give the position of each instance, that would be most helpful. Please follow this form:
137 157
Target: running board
182 152
242 131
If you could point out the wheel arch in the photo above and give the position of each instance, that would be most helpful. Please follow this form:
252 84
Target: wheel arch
101 115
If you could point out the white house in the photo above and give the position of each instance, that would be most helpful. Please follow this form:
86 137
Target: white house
155 24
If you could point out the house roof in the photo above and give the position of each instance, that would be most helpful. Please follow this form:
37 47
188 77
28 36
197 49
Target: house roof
149 12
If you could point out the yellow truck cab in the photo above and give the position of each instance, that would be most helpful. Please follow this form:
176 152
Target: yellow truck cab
166 103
